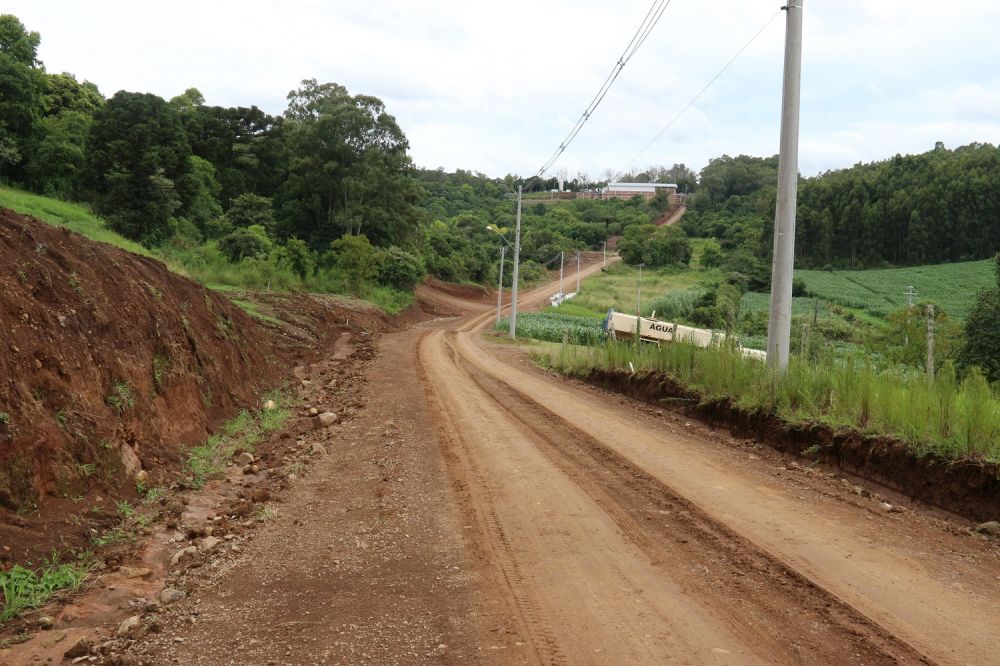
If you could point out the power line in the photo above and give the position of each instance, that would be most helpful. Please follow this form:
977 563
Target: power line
698 96
642 32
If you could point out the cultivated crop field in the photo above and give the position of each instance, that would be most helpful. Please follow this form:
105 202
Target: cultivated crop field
551 327
952 286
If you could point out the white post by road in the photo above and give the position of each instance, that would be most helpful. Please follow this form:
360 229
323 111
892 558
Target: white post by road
779 326
503 253
577 271
517 260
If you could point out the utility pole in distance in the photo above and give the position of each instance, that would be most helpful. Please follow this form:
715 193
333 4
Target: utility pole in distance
503 253
517 260
779 325
577 271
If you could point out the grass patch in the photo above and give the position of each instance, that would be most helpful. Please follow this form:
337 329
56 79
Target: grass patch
951 417
122 398
615 287
253 309
77 217
207 461
24 588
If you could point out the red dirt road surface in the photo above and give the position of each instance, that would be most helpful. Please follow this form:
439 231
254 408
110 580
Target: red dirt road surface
476 509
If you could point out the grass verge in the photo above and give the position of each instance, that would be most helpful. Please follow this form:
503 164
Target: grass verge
950 417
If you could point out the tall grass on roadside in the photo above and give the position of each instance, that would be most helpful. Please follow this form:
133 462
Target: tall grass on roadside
946 416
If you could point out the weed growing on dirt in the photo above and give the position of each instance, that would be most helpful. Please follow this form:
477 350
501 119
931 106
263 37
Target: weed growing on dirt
245 431
161 368
266 513
25 588
112 537
950 418
241 423
4 418
74 283
122 398
125 509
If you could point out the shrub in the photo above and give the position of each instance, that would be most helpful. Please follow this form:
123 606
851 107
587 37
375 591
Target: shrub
245 243
400 269
357 259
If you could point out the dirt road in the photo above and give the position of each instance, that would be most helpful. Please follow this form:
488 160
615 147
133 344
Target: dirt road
480 510
616 536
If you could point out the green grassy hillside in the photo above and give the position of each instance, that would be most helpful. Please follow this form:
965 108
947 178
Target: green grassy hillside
76 217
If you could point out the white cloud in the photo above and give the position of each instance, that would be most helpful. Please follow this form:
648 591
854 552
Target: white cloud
495 87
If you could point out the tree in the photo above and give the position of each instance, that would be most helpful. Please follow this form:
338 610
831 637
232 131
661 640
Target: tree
137 165
22 85
982 332
248 209
348 170
202 192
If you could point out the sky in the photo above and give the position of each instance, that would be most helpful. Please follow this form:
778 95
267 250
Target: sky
494 87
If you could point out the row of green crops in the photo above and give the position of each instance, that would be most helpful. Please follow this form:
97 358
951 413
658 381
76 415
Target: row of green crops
551 327
950 416
952 286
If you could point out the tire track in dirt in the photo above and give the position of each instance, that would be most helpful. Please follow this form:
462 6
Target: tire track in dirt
764 600
895 570
583 593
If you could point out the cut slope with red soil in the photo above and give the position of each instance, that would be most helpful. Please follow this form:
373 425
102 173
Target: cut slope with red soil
109 364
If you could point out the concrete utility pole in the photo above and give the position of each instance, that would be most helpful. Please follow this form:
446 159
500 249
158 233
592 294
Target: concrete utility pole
517 260
503 253
779 327
562 256
577 271
930 340
604 259
638 305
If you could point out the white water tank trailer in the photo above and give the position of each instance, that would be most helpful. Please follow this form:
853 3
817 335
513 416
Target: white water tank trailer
621 325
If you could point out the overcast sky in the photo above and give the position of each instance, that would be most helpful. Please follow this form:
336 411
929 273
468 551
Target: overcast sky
494 87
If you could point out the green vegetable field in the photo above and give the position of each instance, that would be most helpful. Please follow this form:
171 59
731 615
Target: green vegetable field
952 286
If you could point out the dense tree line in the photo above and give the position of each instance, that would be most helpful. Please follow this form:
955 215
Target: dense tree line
332 164
937 207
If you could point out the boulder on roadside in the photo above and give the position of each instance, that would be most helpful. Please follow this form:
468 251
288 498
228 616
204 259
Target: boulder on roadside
990 528
244 459
269 405
317 448
80 648
134 572
182 553
129 627
324 420
208 544
169 595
